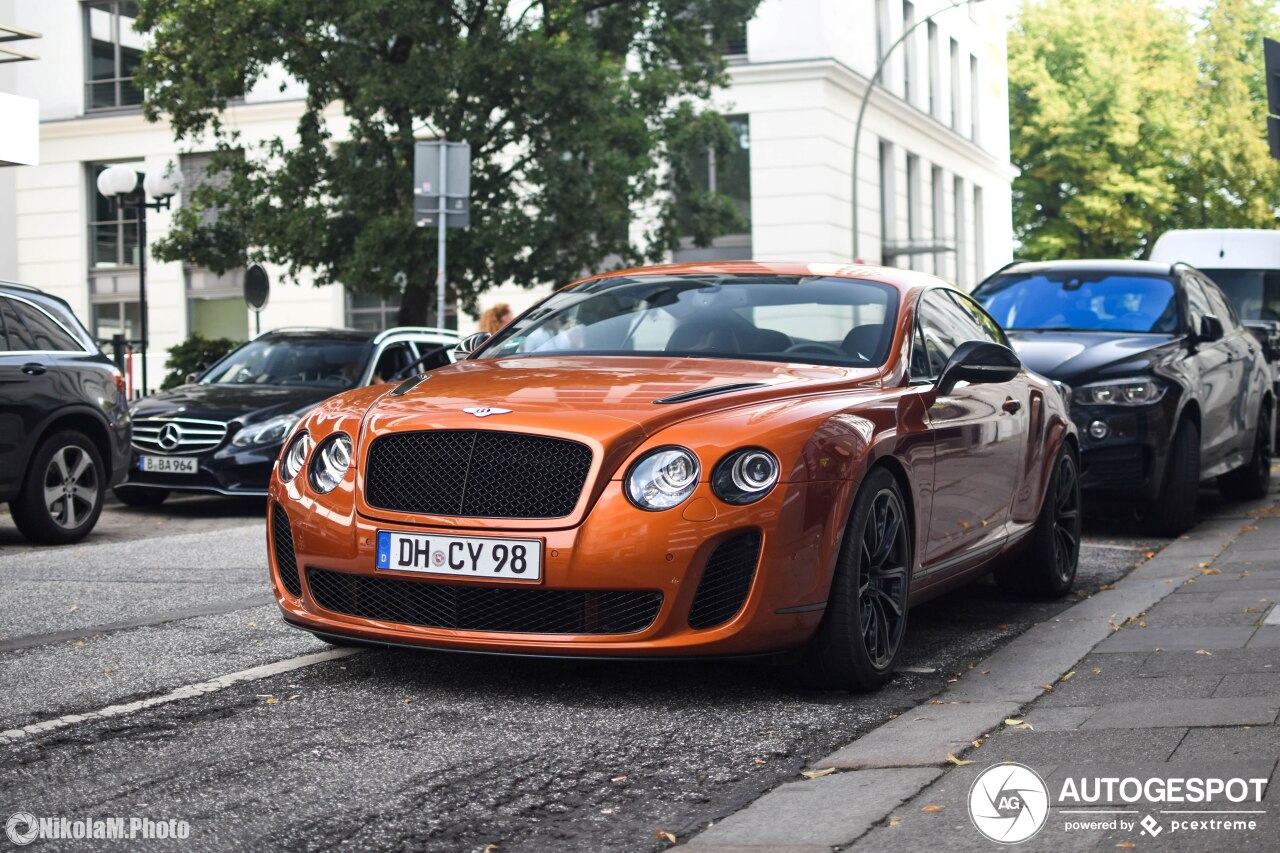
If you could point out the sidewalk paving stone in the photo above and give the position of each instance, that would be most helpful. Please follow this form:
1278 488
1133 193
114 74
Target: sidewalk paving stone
1226 661
1266 637
1086 688
830 810
1249 684
1178 639
1211 744
922 736
1238 711
1041 747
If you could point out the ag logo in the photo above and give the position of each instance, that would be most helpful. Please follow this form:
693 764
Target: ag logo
22 827
485 411
1008 803
170 436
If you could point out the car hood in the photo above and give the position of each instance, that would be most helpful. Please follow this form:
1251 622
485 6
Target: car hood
604 396
248 404
1073 356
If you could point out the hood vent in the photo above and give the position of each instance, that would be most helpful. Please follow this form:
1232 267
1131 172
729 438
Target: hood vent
699 393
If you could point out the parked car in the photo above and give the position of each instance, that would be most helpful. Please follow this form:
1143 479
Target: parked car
711 459
221 432
1167 387
64 419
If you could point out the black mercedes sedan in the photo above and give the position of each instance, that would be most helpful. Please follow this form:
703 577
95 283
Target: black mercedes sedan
1167 386
222 432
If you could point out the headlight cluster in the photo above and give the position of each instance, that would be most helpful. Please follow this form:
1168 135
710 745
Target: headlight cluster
271 431
665 477
330 462
1122 392
294 456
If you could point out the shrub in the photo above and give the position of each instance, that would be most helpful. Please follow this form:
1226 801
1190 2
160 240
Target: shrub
192 356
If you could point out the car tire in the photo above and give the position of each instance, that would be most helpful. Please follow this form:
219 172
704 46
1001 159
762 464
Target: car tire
862 629
139 496
1173 512
62 492
1251 480
1046 566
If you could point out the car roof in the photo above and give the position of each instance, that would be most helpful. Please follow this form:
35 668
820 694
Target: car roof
1221 248
355 335
900 278
1116 265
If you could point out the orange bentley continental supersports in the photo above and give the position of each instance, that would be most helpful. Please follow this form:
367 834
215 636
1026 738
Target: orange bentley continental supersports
711 459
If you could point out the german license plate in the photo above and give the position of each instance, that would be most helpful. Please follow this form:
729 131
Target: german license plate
167 464
460 556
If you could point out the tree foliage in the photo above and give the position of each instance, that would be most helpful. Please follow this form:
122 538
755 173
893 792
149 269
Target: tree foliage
571 107
1129 119
192 356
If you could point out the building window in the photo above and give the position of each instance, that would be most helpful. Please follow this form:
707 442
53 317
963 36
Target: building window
113 51
979 236
116 317
729 175
113 234
215 303
954 54
914 212
935 73
736 43
960 233
908 50
973 97
888 198
939 204
372 313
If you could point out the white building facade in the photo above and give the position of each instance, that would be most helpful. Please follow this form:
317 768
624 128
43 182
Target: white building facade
933 171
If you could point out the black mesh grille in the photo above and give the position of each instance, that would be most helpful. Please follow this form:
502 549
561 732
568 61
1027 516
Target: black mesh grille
471 608
725 581
282 542
476 474
1114 465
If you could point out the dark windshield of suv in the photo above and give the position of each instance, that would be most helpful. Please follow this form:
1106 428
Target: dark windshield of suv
292 361
1076 301
1255 293
789 318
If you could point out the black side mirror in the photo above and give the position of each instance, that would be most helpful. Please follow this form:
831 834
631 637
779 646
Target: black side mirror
469 344
1210 329
977 362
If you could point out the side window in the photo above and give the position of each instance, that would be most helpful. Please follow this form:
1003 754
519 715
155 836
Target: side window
990 329
45 333
1221 307
439 358
1197 301
395 357
919 354
15 330
944 328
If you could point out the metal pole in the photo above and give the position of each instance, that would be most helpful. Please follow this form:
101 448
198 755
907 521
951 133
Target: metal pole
866 97
142 286
440 251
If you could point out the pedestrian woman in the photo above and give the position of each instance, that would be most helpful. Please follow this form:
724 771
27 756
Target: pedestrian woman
495 318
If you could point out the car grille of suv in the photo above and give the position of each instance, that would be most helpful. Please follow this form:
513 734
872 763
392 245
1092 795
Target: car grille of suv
474 608
282 547
725 581
476 474
177 435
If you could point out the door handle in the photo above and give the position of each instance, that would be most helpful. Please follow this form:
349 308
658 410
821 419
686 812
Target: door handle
33 368
1011 406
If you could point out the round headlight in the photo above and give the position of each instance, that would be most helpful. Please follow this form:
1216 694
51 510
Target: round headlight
662 478
745 476
330 462
294 456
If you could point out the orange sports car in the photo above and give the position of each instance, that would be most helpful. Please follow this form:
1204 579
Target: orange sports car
708 459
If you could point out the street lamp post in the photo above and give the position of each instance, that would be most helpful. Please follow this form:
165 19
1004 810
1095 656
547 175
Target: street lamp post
866 98
116 183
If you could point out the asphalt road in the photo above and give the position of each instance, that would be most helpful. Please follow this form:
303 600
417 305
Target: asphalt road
395 749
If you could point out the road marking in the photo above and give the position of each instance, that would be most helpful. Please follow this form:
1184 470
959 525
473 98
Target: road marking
190 691
30 640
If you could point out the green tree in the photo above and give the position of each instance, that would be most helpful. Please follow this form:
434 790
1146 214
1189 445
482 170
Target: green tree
1098 110
572 109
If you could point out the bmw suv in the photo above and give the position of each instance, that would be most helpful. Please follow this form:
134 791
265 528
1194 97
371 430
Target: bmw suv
64 419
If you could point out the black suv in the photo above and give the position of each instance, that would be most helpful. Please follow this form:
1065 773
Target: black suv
1166 385
222 431
64 419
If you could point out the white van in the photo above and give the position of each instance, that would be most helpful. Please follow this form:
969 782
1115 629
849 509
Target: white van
1244 262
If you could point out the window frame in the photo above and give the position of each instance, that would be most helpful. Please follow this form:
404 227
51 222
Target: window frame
112 8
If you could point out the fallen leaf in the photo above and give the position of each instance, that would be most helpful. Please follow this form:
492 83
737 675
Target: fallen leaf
1251 609
490 848
1247 527
1097 670
1047 687
1126 845
74 608
110 669
1204 652
78 643
931 809
663 835
1107 586
1004 627
1211 571
293 696
1243 575
936 702
1142 624
952 680
977 744
273 701
618 779
817 774
1013 721
958 762
761 761
894 821
1069 675
1149 554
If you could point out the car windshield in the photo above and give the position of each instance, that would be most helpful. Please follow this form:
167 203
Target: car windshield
788 318
284 361
1255 293
1076 301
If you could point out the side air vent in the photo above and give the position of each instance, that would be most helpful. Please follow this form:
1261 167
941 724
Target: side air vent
282 545
699 393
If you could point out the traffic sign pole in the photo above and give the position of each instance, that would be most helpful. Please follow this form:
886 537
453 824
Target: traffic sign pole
440 254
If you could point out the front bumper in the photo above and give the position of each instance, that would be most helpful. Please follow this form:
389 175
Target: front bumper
225 470
1129 462
617 551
